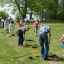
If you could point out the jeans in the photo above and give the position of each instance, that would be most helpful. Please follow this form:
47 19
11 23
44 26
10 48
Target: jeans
20 38
43 39
36 29
62 45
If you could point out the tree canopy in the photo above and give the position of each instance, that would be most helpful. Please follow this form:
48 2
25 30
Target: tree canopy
48 9
3 14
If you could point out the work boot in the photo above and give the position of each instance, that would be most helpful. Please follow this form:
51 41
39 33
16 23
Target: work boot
47 59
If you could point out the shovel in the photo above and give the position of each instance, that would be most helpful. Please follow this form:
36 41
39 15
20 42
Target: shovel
49 37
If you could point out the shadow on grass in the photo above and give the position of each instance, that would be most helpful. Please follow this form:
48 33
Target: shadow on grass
30 40
54 57
60 59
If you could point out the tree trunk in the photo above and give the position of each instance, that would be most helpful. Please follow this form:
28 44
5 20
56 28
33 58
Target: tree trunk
30 16
42 15
23 17
42 9
63 5
56 2
25 10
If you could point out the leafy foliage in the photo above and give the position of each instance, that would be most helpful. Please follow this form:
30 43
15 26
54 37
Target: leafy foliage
44 8
61 16
3 14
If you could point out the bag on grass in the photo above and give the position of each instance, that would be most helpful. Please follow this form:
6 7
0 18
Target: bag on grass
33 30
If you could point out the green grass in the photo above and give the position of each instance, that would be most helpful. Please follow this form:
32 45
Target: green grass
11 53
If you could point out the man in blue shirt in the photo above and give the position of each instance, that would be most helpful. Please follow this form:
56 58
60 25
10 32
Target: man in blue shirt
44 40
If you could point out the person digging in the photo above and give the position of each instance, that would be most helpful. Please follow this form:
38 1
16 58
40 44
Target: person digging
21 35
43 40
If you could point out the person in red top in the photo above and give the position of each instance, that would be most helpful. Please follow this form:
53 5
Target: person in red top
21 24
36 24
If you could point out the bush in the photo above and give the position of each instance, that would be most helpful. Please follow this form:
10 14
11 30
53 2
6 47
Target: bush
3 14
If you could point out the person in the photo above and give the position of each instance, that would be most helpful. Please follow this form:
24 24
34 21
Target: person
11 27
21 35
26 20
10 19
6 26
43 39
21 24
62 40
36 23
1 22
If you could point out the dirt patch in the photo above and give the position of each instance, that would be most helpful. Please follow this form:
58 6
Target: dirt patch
21 59
55 59
53 56
31 46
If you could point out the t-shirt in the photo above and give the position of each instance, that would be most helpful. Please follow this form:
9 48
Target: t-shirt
36 23
44 29
22 30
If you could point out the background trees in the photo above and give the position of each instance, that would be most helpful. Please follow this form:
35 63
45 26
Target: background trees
48 9
3 14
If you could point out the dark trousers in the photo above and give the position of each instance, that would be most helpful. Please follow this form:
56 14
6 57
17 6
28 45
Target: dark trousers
20 38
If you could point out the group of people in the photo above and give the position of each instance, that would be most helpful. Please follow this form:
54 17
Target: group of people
44 36
22 29
7 25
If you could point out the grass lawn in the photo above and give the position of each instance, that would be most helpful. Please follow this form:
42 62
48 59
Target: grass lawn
11 53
